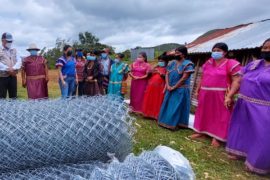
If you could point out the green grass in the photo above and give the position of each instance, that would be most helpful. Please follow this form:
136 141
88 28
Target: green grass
207 162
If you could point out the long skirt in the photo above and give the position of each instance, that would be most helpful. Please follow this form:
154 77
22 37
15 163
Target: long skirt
137 91
212 117
153 99
37 88
249 135
175 109
91 88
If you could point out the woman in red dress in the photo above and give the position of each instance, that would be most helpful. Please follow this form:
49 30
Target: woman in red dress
154 93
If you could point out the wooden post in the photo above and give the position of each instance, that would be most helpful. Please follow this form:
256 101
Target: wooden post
195 76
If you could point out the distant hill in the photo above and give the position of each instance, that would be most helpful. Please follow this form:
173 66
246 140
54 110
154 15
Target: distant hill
166 47
162 47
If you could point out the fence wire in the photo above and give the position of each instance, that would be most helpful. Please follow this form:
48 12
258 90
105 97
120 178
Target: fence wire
79 138
47 132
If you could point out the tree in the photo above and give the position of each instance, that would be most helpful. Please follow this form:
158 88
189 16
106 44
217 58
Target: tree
127 54
87 41
53 54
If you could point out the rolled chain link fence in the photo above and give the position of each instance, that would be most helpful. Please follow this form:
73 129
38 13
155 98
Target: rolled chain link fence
150 165
76 139
46 132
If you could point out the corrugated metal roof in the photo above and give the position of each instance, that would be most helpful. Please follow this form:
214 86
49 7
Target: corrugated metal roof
244 36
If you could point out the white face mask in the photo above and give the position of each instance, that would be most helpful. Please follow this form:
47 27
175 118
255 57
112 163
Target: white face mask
8 45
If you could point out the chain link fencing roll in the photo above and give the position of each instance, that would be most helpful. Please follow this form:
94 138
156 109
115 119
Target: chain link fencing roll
149 165
39 133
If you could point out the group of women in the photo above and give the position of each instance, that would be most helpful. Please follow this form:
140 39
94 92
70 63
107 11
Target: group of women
233 101
163 93
84 73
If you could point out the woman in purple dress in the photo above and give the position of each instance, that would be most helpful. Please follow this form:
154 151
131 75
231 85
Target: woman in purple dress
250 125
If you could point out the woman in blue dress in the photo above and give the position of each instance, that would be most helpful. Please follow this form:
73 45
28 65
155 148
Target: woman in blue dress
175 108
119 73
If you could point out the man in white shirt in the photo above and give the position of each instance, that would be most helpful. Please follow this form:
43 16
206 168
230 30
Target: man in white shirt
10 63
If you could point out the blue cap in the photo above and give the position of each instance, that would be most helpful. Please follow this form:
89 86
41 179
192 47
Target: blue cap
7 36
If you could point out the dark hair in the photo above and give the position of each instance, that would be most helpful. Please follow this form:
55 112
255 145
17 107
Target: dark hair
66 47
164 57
144 55
120 55
222 46
95 52
265 41
183 50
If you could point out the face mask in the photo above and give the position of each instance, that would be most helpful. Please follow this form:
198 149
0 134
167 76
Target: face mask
8 45
79 54
140 59
116 60
69 53
177 57
265 55
91 58
217 55
104 56
33 52
161 64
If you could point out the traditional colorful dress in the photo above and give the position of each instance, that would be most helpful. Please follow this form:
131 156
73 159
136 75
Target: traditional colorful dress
212 117
138 86
79 69
91 87
34 67
118 72
154 94
176 104
250 124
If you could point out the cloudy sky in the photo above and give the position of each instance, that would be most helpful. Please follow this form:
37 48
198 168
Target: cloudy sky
123 24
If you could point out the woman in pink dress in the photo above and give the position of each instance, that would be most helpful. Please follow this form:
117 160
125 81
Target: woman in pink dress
219 83
139 73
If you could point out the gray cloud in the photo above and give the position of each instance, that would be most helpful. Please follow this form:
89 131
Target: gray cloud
123 24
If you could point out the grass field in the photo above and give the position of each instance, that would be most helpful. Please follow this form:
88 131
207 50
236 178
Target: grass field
208 162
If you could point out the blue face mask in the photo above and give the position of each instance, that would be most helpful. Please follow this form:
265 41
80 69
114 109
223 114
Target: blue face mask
116 60
79 54
91 58
104 56
33 52
161 64
217 55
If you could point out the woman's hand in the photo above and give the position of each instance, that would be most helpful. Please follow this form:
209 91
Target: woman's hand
135 77
196 95
169 88
64 83
24 83
228 102
47 79
89 78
